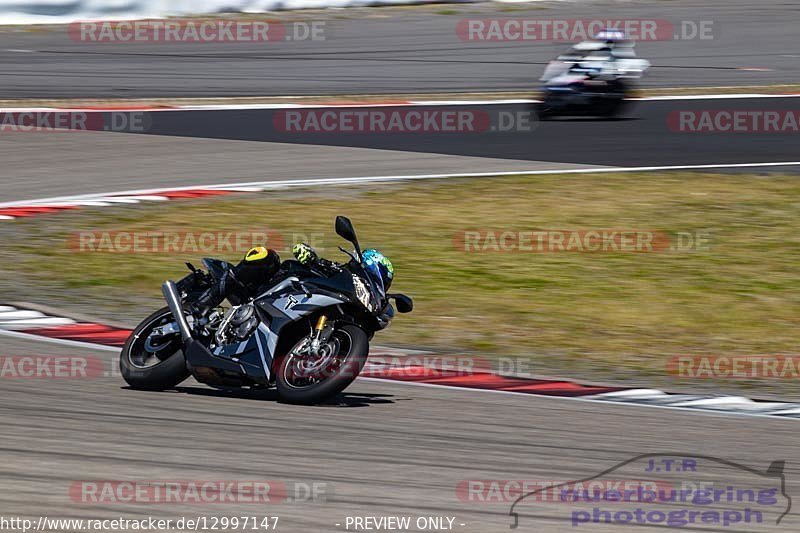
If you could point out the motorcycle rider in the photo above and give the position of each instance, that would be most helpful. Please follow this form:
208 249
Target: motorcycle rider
373 260
257 267
594 56
260 265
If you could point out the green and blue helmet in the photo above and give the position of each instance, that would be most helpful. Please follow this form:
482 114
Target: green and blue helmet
379 266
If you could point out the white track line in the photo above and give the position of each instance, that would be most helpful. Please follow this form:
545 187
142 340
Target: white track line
745 96
14 315
399 103
100 198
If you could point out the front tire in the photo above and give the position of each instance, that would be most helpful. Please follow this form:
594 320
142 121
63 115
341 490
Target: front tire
160 369
545 110
298 388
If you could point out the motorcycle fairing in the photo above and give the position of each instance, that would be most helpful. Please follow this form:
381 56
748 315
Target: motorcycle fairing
252 358
254 355
247 361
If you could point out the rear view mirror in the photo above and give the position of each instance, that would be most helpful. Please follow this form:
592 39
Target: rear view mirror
403 303
344 228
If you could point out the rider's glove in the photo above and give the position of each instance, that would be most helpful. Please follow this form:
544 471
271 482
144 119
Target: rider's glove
304 253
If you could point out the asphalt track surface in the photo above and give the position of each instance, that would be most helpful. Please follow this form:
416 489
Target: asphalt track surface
382 449
649 134
401 50
190 148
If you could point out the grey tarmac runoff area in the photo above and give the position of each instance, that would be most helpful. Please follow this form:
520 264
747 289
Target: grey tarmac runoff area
89 162
383 449
408 50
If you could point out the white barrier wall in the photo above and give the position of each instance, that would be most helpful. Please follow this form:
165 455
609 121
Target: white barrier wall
62 11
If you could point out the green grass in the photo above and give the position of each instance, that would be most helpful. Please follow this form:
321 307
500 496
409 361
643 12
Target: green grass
601 313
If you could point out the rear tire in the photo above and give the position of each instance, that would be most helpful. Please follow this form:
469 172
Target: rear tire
167 372
329 386
615 102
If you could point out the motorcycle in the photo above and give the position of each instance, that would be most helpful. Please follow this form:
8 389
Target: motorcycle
593 79
306 332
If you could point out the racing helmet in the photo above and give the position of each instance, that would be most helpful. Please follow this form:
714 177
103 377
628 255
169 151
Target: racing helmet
257 267
379 266
610 36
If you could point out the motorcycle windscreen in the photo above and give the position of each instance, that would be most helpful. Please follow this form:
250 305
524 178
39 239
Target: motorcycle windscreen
374 273
216 268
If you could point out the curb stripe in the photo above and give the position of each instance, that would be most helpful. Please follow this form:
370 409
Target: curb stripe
45 206
23 323
38 324
97 335
482 380
733 404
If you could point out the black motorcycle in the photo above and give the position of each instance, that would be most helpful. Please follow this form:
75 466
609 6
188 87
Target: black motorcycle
306 330
593 79
586 97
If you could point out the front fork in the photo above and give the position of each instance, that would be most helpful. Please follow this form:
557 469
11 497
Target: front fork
320 335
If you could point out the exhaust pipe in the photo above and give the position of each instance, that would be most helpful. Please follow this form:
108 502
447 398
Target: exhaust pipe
170 292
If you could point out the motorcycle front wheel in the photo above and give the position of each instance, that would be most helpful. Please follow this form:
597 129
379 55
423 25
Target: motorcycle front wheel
149 362
305 378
